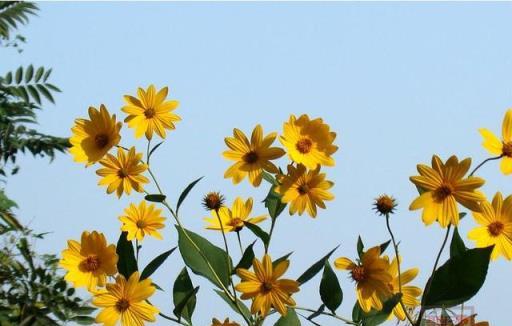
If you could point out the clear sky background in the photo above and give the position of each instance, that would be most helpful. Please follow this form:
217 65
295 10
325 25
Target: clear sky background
398 82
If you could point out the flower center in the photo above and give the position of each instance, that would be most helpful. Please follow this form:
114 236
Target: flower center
122 305
303 189
495 228
267 286
304 145
149 113
141 224
443 191
90 264
251 157
358 274
507 149
236 222
122 173
101 140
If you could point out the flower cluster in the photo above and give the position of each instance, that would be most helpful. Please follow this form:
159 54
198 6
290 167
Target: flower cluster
383 290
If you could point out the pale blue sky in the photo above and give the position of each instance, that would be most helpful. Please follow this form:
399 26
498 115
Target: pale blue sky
397 82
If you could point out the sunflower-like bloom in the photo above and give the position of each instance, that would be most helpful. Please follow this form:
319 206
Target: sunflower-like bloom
501 147
150 112
495 228
126 300
122 173
93 138
444 185
372 277
410 293
142 220
309 142
304 190
265 287
216 322
233 219
89 262
251 158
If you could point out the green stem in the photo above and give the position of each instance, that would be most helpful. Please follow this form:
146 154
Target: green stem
483 162
272 225
395 246
345 320
137 248
429 283
240 242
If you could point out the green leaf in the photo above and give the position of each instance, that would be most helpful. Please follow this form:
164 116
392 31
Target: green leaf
280 259
247 258
29 73
290 319
374 317
330 289
185 192
384 246
156 198
6 203
269 178
265 238
45 93
459 279
127 264
357 313
34 93
47 74
39 74
19 75
360 247
457 245
52 87
197 263
153 150
274 204
184 296
83 320
8 78
317 313
315 268
245 311
155 264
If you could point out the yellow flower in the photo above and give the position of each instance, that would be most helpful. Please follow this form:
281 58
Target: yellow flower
142 220
216 322
265 287
233 219
89 262
123 173
251 157
372 277
444 185
150 112
501 147
309 141
126 300
495 228
93 138
304 190
409 293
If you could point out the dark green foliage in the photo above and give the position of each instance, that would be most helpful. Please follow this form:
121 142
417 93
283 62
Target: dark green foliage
13 14
33 292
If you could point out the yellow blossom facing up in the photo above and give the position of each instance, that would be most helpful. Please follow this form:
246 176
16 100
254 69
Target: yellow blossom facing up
304 190
93 138
126 301
251 157
216 322
410 293
501 147
444 186
233 219
123 173
266 287
495 226
150 112
90 261
309 142
142 220
372 277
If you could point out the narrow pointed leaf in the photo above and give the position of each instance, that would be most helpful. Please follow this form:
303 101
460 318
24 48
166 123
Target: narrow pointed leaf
184 296
315 268
127 264
245 311
290 319
247 258
258 232
280 259
155 264
457 245
156 198
330 289
185 192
